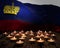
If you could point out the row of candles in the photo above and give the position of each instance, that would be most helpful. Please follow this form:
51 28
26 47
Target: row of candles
40 35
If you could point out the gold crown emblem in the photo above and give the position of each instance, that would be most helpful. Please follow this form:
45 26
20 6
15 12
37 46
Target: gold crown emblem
11 9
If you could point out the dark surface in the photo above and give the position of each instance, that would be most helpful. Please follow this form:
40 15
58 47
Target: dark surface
6 43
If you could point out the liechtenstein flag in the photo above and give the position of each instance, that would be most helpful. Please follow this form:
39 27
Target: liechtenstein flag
12 21
27 14
25 17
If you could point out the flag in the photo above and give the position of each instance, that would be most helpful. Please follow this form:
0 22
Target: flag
27 15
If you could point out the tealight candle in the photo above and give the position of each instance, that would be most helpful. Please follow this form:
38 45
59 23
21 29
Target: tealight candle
46 36
17 34
5 33
50 32
51 40
38 33
22 31
32 39
42 35
37 36
22 38
14 32
27 32
45 32
40 40
53 35
32 34
41 31
23 35
9 36
13 38
19 42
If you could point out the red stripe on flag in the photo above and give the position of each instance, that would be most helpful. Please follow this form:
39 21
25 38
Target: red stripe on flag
6 25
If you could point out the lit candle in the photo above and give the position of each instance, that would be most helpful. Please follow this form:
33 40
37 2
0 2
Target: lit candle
17 34
22 31
37 36
45 32
51 40
27 32
41 31
22 37
14 38
32 39
46 36
42 35
19 42
9 36
31 32
40 40
50 31
53 35
5 33
14 32
38 33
